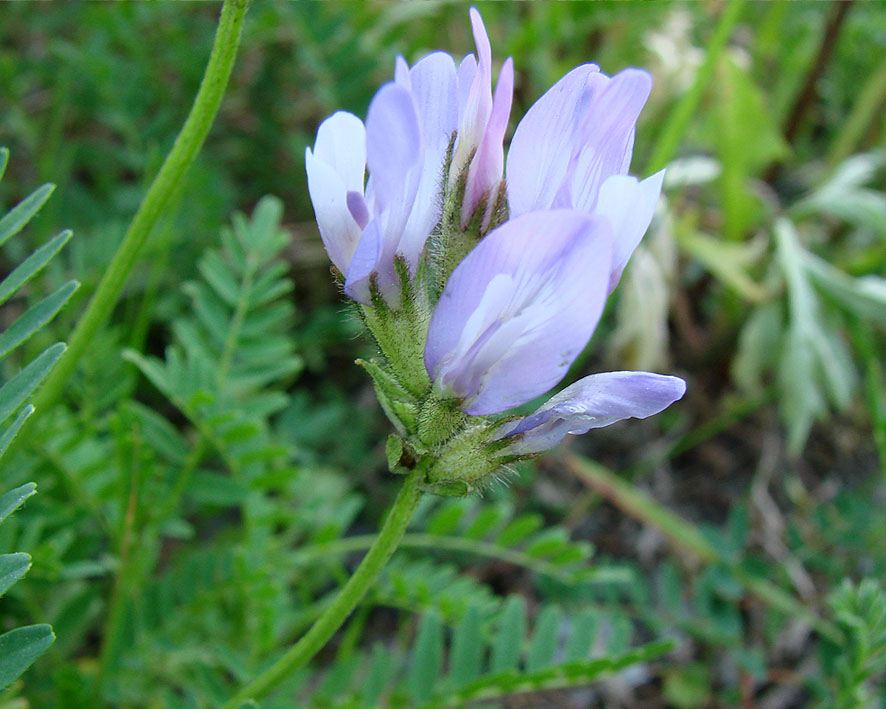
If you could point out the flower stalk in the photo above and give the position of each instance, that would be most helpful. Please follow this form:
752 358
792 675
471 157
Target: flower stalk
353 591
157 199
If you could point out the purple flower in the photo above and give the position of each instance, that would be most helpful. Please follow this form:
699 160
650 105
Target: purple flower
483 120
519 308
400 208
572 150
593 402
409 126
517 311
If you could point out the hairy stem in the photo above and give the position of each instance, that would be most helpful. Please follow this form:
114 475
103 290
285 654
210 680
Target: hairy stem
332 619
163 188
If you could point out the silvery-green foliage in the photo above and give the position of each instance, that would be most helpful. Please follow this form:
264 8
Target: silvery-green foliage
847 195
20 647
803 333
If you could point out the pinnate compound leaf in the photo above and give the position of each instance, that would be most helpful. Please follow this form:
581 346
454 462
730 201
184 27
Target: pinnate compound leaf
570 674
815 364
21 646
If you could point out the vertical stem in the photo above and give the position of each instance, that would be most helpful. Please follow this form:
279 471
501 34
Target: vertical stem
179 159
332 619
123 576
677 122
686 537
807 93
857 126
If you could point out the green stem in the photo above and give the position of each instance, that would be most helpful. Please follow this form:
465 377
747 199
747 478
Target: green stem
677 121
163 188
451 544
686 537
332 619
860 119
123 578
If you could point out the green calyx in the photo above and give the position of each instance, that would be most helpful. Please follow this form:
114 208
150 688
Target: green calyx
454 237
439 419
398 404
456 453
469 460
468 457
401 333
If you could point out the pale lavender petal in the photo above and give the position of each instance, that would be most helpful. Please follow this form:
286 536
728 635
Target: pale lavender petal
358 209
481 39
341 144
374 256
629 205
593 402
518 309
606 134
544 141
393 147
467 69
472 121
334 167
401 72
485 172
338 230
433 89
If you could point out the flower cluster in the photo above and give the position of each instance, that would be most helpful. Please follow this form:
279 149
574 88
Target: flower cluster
482 282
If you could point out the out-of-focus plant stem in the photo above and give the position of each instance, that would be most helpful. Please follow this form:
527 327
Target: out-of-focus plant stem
123 575
807 93
677 122
153 206
334 616
686 537
868 106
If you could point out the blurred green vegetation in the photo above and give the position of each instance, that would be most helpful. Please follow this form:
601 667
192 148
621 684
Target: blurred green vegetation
186 532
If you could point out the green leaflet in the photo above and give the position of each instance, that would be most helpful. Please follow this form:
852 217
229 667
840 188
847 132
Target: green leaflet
20 647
